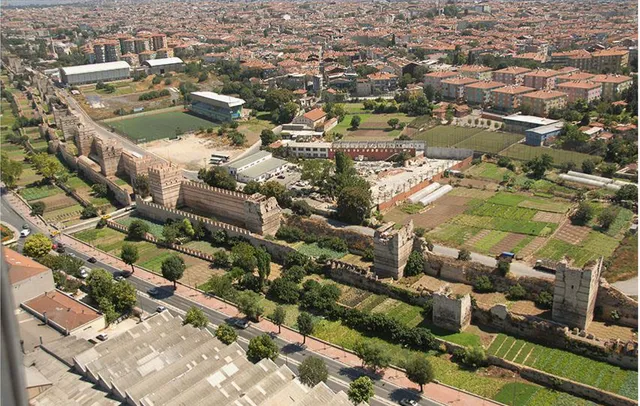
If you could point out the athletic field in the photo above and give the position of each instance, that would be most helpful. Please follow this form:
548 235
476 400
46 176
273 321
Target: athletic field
145 128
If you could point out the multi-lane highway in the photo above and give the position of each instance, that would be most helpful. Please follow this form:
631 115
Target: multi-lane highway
291 354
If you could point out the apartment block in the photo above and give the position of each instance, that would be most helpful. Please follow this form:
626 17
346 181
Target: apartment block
541 79
453 89
434 79
507 99
612 84
580 59
513 75
127 45
159 41
610 60
383 82
479 93
142 44
587 91
541 102
574 77
478 72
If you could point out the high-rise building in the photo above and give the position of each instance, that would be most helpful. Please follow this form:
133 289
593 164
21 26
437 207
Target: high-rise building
159 41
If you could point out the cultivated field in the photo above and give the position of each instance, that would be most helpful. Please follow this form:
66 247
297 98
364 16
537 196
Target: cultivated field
568 365
523 152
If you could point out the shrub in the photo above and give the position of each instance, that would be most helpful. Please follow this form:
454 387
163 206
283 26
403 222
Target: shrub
464 255
89 211
367 254
333 243
503 267
583 214
473 357
516 292
102 223
544 300
419 231
290 234
301 208
503 162
483 284
615 315
415 264
37 208
221 258
226 334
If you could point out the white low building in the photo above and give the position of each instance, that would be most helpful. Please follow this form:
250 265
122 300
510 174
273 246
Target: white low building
258 167
99 72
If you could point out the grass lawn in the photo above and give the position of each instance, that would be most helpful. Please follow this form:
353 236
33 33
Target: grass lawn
596 244
523 152
157 126
154 228
625 260
456 234
488 170
568 365
315 251
72 211
446 136
40 192
621 223
203 246
489 141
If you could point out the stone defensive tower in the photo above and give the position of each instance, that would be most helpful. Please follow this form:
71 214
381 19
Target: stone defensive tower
84 140
451 313
165 182
66 121
391 249
574 294
108 152
263 214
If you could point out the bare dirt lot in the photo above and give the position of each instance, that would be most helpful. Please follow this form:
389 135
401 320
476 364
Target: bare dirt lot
444 209
572 234
192 151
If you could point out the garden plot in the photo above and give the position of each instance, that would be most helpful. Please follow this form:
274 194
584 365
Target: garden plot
590 248
489 171
572 234
471 193
351 296
548 217
567 365
444 209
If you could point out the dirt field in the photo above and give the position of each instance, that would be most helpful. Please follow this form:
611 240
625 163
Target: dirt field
192 151
572 234
445 209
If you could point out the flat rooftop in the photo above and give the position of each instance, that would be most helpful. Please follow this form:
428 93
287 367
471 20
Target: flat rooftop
94 68
239 163
220 98
530 119
264 167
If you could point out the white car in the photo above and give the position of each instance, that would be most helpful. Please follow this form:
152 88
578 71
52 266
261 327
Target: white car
25 233
160 309
84 272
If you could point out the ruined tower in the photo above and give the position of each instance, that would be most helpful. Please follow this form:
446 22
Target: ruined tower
391 248
449 312
164 182
108 152
574 294
84 140
263 214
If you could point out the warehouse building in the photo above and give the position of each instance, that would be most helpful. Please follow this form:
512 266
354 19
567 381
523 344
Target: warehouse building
216 106
540 135
163 65
103 72
258 167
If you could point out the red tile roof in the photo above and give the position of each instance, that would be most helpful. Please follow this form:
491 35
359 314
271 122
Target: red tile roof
21 267
315 114
63 310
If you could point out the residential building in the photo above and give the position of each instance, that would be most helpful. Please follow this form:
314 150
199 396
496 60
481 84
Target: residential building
612 84
98 52
513 75
580 59
311 119
159 41
257 167
507 99
310 149
542 135
146 56
28 278
541 79
541 102
520 123
581 90
574 77
453 89
363 88
610 60
65 314
477 72
104 72
164 53
383 82
434 79
164 65
216 106
479 93
127 45
142 44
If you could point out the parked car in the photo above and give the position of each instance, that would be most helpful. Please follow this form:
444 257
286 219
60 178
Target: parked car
152 291
102 337
25 233
25 226
59 247
92 260
241 323
160 309
119 278
84 272
408 402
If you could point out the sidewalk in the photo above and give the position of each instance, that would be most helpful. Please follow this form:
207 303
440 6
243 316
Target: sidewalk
434 391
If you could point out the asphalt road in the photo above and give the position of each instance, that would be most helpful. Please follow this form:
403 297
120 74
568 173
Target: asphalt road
291 354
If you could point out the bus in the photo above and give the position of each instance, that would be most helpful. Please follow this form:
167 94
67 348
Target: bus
220 156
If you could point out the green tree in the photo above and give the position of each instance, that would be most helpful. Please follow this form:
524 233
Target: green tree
285 113
627 193
360 390
305 325
137 230
588 166
473 356
279 316
354 204
583 214
170 233
226 334
268 137
372 354
109 311
249 304
251 187
244 256
221 286
89 212
278 191
36 246
100 285
37 208
217 176
316 171
284 290
355 122
429 93
172 269
538 166
99 189
464 255
196 318
275 98
141 185
10 170
312 371
503 267
419 370
393 123
415 264
262 347
123 296
607 217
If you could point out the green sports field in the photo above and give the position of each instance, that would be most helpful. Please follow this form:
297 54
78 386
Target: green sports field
157 126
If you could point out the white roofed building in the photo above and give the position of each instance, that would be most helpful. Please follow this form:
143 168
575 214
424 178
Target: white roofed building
163 65
216 106
102 72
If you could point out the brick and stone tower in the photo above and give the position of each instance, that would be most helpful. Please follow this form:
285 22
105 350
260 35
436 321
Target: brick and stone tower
84 140
574 294
108 152
391 249
263 214
165 181
449 312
